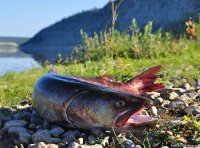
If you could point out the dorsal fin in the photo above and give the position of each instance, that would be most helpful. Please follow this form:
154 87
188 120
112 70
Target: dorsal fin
106 78
145 82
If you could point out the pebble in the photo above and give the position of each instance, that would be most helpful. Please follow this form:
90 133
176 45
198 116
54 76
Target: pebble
23 136
44 136
193 109
52 146
80 141
158 101
56 132
23 116
1 123
179 91
105 141
153 95
128 144
74 145
35 118
91 139
38 145
164 147
165 103
15 123
97 132
5 118
187 86
69 138
153 110
138 146
177 105
192 95
32 126
173 96
92 146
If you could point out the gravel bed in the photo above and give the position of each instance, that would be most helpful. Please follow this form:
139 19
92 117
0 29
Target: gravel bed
21 126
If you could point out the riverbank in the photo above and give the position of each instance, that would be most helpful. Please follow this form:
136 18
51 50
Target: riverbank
177 108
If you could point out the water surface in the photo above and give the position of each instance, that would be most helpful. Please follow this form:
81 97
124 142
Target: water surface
17 64
13 59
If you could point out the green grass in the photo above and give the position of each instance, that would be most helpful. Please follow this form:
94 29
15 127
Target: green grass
121 55
17 87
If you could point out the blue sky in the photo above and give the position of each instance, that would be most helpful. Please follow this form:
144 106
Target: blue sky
26 17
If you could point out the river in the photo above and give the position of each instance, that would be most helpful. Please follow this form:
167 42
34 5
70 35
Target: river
16 61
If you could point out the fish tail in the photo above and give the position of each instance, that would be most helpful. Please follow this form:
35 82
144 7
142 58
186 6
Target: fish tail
145 82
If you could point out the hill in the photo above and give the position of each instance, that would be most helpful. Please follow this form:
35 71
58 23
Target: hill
62 36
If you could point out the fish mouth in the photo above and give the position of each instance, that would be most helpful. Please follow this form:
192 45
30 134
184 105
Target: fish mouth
134 118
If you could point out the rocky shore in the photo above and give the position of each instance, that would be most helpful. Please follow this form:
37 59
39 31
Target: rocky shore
21 126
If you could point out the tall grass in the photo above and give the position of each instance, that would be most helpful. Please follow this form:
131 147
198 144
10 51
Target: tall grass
132 43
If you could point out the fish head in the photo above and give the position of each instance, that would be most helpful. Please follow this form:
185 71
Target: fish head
108 109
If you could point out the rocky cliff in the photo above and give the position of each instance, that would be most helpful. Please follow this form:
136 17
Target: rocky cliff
62 36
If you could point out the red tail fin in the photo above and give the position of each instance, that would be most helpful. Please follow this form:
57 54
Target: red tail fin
145 82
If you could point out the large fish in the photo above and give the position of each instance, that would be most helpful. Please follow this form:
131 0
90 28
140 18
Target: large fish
82 104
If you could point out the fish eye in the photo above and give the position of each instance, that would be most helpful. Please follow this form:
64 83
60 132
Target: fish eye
120 104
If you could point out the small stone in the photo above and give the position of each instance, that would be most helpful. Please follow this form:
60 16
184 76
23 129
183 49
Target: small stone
91 139
20 107
161 111
165 103
184 97
41 145
105 141
23 136
1 122
69 138
44 136
193 109
23 116
46 125
35 118
177 105
56 132
138 146
153 95
5 109
164 147
187 86
153 111
192 95
158 101
80 141
67 133
179 91
173 96
97 132
52 146
128 144
5 118
76 133
15 123
32 126
198 92
84 136
74 145
121 139
92 146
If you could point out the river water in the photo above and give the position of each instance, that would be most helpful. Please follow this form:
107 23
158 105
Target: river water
16 61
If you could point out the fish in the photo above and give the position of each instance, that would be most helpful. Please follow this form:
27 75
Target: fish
140 85
77 103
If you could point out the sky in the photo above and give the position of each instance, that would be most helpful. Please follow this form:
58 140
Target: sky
24 18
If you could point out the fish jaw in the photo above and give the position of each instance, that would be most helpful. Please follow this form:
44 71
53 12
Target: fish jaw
134 119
